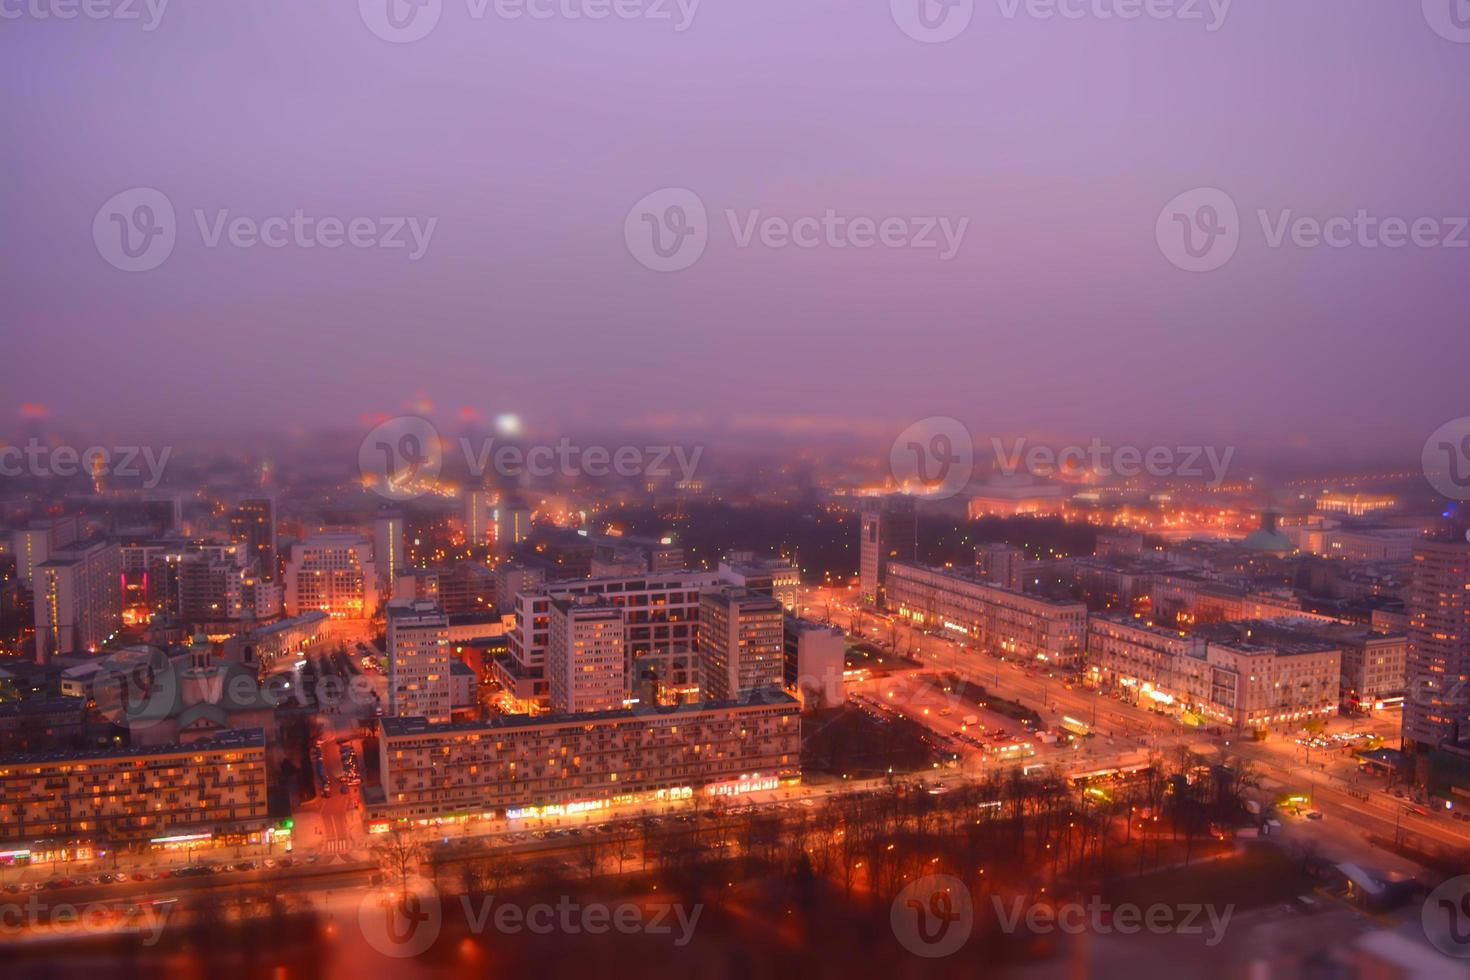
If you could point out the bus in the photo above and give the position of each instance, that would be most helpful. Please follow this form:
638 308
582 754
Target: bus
1079 728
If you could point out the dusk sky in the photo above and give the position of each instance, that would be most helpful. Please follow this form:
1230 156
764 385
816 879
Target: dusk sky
527 142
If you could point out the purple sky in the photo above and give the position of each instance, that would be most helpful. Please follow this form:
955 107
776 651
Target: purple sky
529 141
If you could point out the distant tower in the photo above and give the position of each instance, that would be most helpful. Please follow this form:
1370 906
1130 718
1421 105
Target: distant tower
889 533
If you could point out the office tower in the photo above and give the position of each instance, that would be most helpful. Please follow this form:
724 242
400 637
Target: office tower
78 598
585 666
33 545
418 662
1001 564
1437 674
212 588
253 525
889 533
512 523
333 573
479 515
390 547
741 642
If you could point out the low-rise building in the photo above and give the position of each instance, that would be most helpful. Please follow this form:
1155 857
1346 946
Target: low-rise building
586 761
999 620
136 794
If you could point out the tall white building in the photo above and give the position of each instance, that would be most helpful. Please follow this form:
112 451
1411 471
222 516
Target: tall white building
419 683
889 533
78 598
333 573
585 664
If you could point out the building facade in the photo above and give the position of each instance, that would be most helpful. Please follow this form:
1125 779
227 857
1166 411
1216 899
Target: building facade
996 619
136 795
583 761
741 643
418 662
585 664
889 533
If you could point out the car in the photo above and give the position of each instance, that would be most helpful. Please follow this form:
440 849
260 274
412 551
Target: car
1314 814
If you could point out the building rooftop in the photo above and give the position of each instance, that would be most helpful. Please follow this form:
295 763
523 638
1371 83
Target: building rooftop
251 738
417 725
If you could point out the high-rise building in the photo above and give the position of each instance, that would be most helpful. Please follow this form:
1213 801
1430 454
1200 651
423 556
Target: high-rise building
78 598
512 523
333 573
1437 670
585 664
253 525
741 643
33 545
418 662
889 533
390 547
479 514
1001 564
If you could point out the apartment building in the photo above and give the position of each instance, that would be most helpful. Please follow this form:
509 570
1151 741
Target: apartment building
134 794
741 642
418 662
997 619
585 666
584 761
